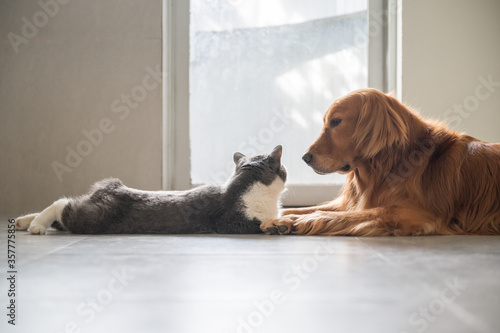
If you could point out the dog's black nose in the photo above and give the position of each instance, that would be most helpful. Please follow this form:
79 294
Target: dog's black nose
308 157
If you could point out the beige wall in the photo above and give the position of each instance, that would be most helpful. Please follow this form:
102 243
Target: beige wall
447 46
62 81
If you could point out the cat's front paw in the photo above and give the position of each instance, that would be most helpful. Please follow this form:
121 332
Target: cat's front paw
281 226
22 223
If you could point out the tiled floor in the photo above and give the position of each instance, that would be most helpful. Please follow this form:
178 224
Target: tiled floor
217 283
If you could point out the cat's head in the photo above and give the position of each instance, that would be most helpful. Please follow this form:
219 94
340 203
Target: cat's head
263 168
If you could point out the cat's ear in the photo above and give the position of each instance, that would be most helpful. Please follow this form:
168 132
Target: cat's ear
276 153
237 157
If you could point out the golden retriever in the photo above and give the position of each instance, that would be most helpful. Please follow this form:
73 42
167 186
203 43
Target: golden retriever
406 175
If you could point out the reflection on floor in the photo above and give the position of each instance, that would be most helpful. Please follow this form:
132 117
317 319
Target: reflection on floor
217 283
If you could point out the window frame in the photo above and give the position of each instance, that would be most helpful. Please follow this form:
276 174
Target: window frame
176 168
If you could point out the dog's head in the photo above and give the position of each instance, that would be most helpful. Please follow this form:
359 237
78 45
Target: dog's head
357 127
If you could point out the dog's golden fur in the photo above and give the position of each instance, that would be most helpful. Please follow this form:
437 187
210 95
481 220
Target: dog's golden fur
406 175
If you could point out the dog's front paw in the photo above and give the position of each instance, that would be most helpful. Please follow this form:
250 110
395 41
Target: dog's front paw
281 226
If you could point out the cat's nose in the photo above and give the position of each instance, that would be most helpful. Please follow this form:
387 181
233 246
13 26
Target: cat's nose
308 157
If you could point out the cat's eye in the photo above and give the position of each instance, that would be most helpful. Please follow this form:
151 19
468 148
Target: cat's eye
335 122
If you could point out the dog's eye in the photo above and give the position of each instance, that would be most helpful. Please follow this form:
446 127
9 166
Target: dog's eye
335 122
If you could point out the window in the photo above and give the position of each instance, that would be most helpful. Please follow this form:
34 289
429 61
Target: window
262 73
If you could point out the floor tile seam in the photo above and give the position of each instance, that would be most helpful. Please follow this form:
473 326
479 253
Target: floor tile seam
266 254
29 261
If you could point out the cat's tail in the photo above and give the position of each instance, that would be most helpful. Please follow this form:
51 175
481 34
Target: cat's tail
38 223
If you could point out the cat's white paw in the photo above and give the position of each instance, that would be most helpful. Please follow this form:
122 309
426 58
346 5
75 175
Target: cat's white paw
37 229
23 222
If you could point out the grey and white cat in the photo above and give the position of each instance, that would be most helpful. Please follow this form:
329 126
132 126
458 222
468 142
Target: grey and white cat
249 197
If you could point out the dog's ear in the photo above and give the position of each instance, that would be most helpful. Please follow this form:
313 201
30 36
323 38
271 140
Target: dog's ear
276 153
392 93
381 125
237 157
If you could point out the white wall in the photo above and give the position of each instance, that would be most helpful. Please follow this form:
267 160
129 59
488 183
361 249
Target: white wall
447 46
63 80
